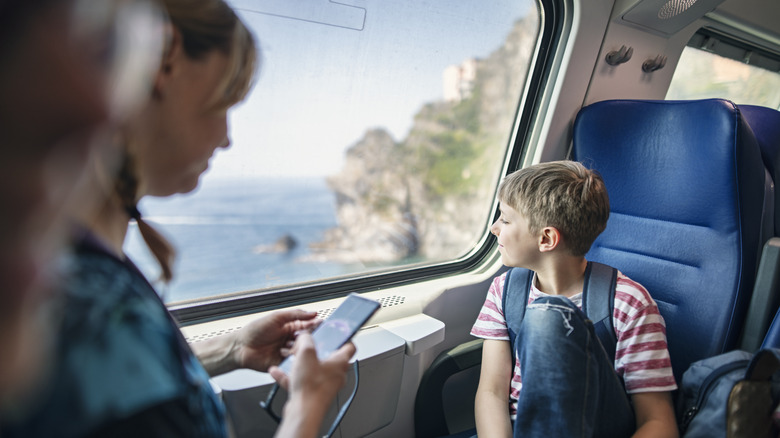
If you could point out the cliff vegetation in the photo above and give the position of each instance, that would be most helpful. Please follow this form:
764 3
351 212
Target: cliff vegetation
425 197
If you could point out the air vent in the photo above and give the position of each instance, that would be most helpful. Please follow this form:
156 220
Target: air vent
391 301
395 300
674 8
204 336
667 16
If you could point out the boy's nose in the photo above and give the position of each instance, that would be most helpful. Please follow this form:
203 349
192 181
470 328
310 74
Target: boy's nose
494 229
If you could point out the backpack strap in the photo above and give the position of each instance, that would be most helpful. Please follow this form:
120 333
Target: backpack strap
600 305
517 286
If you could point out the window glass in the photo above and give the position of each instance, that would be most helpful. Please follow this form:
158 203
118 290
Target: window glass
701 74
373 140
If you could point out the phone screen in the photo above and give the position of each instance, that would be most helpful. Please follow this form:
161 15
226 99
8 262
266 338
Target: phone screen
339 327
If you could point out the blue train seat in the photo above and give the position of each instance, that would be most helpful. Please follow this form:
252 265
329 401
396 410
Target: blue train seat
772 339
686 187
765 124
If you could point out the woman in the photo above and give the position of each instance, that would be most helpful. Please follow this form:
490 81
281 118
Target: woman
124 368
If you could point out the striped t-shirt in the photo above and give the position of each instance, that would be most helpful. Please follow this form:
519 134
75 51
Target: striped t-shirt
642 356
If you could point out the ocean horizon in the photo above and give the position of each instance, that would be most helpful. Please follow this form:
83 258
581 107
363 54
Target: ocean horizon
222 232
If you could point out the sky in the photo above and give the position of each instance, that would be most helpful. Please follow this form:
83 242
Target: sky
330 71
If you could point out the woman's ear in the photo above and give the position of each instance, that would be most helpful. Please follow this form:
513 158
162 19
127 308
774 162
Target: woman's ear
549 239
169 63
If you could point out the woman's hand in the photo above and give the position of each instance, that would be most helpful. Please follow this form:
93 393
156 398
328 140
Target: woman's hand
312 385
268 340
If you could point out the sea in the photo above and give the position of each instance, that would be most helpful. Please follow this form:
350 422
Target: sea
220 231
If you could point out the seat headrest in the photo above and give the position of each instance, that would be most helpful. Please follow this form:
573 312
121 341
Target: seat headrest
765 124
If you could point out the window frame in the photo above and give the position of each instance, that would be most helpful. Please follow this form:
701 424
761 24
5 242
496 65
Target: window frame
727 46
552 25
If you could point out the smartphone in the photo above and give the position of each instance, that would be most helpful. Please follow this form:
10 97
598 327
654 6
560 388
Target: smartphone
339 327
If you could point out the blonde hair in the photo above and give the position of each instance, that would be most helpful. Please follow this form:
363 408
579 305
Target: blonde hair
205 26
562 194
208 25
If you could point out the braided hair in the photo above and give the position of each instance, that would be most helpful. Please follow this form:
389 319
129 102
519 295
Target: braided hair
126 187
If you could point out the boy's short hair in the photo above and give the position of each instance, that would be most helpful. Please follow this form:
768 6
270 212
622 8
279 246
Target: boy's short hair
562 194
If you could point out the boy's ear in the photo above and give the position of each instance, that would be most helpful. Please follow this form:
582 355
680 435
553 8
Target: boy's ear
169 63
549 239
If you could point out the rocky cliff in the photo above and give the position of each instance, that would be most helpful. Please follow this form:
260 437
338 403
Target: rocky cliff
425 197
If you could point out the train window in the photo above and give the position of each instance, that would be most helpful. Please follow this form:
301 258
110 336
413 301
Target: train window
372 142
714 66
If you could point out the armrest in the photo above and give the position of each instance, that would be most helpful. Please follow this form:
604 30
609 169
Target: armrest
765 299
429 419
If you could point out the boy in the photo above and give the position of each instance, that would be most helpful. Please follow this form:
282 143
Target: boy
550 215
